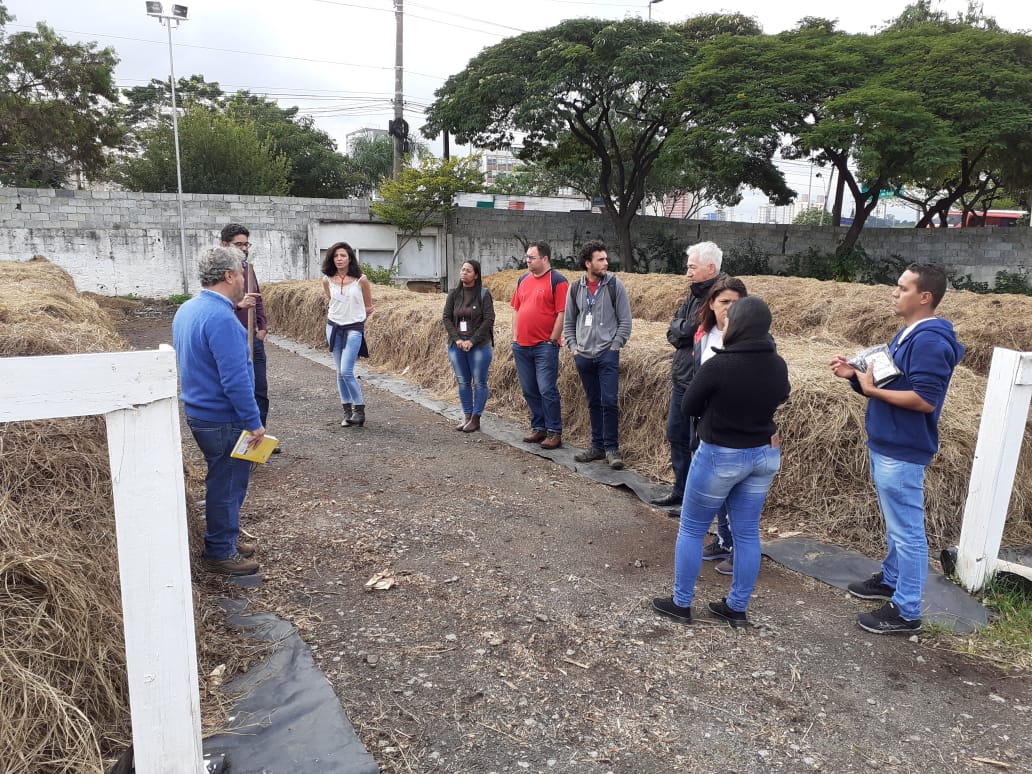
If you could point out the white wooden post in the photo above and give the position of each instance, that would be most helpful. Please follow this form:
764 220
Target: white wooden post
136 393
1004 414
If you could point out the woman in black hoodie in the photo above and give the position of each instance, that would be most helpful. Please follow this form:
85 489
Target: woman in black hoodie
734 396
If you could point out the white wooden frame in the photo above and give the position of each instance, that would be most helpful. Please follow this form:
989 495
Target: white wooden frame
137 394
1007 396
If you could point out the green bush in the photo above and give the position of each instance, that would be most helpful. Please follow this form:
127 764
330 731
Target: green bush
380 275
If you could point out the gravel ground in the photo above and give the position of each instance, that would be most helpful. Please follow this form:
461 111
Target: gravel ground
518 635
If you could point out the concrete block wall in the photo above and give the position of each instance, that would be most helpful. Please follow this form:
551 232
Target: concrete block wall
120 242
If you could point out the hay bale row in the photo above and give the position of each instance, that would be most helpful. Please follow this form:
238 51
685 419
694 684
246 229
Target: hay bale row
854 315
824 488
64 700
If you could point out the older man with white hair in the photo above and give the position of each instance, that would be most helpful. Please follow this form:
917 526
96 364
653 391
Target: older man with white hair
704 260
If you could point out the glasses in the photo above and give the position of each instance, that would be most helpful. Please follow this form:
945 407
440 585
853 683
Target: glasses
241 245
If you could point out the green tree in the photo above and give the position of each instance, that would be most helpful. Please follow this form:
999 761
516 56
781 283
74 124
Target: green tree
57 107
425 195
370 162
586 88
220 154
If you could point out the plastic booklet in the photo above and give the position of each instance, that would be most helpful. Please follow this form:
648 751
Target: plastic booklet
879 361
259 453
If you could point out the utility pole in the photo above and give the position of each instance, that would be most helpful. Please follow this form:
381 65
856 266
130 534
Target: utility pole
400 138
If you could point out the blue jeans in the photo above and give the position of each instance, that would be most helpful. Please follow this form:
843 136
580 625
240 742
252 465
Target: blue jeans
261 380
601 379
225 484
900 487
538 369
345 353
679 433
471 374
740 479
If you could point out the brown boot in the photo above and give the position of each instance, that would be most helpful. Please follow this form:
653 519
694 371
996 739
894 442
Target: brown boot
232 565
465 421
552 441
536 436
245 549
473 425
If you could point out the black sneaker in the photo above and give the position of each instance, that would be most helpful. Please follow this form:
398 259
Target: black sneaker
666 606
589 455
713 551
666 501
872 588
887 620
733 617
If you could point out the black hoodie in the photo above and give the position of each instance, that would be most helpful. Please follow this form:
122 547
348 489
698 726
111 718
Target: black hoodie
736 392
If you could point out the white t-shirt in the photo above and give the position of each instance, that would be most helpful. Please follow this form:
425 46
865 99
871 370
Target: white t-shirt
346 305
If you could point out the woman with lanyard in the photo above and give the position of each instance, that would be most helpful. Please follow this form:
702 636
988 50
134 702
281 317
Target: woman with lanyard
469 320
351 302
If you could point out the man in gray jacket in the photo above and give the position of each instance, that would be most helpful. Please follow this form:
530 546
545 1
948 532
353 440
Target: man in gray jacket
596 326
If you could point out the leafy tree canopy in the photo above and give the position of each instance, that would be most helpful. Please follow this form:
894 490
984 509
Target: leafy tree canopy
220 154
424 195
57 111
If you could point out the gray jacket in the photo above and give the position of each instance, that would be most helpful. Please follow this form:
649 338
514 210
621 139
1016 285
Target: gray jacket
610 323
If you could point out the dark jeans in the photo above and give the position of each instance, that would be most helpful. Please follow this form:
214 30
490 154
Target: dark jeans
601 379
226 485
261 381
538 369
679 433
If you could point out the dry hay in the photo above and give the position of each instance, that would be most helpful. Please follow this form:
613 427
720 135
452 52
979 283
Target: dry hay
824 488
64 700
857 316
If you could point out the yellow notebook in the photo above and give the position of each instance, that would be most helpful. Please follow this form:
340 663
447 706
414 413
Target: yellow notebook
259 453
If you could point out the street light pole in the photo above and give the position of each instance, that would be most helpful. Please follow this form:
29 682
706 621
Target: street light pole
178 15
652 3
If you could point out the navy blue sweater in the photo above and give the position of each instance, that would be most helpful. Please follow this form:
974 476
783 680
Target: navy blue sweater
927 358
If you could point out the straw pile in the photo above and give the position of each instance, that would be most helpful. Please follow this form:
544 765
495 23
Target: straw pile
824 488
64 699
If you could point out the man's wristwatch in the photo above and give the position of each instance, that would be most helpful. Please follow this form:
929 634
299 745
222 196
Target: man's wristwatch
554 342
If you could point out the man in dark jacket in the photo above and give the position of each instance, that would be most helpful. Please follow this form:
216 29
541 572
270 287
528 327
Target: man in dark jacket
902 423
704 261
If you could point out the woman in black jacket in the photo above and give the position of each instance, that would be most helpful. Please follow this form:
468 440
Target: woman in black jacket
734 395
469 319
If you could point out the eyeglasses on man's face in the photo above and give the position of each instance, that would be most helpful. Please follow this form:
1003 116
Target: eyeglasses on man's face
240 245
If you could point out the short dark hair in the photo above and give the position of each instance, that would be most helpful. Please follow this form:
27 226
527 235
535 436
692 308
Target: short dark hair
587 252
231 230
930 279
543 248
705 316
329 268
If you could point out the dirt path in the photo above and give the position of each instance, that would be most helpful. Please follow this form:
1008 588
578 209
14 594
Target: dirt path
519 637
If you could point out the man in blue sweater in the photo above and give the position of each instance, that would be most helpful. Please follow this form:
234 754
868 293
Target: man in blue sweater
902 424
217 384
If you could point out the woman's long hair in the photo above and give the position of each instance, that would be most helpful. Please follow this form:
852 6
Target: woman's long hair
706 317
329 268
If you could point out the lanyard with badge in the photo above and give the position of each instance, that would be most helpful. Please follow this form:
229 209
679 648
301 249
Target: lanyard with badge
592 297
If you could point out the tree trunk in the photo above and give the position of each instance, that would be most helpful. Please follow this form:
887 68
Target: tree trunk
622 224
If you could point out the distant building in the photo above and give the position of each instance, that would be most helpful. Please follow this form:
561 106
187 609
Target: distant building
367 134
494 163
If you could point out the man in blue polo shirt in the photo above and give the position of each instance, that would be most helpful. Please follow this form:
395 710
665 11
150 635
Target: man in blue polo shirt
902 424
217 384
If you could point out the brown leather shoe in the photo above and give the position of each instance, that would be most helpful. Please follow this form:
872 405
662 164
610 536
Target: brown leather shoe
552 441
465 421
473 425
246 549
232 565
536 436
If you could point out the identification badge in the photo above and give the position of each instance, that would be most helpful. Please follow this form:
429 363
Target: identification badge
587 320
463 326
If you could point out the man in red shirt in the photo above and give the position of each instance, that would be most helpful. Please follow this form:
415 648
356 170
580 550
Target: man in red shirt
537 324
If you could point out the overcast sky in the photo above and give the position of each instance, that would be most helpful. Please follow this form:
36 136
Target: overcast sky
335 59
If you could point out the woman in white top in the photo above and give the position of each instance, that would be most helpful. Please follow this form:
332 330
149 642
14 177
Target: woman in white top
351 302
712 319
